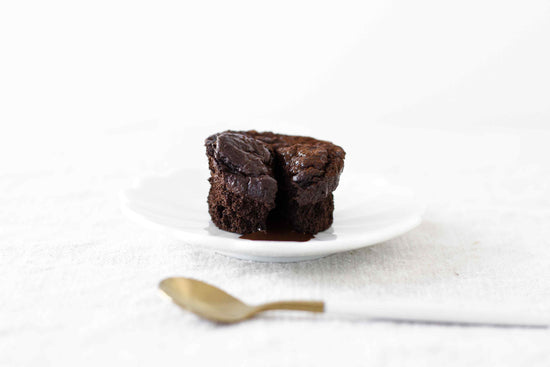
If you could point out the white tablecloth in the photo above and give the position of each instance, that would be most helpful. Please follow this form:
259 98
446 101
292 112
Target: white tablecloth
78 281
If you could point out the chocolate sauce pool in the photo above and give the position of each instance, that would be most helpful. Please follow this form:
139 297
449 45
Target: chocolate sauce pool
278 230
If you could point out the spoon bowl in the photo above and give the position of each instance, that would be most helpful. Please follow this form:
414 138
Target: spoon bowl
205 300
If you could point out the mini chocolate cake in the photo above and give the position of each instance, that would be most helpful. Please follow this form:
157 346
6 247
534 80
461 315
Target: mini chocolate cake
255 175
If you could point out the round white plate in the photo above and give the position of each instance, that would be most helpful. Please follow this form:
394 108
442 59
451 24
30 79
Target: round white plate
368 210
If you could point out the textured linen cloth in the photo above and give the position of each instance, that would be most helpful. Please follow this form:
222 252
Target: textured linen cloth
78 281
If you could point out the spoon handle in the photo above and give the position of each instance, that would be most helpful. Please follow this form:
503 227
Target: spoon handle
312 306
441 314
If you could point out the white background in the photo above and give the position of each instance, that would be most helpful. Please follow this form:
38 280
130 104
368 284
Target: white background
451 99
411 63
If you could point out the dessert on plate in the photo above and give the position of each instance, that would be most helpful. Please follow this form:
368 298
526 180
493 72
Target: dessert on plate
259 175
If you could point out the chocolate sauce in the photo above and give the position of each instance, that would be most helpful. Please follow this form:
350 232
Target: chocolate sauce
278 230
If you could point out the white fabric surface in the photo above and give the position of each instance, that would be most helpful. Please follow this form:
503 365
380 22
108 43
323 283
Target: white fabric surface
79 281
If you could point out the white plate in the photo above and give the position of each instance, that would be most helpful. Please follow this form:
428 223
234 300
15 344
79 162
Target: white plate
368 210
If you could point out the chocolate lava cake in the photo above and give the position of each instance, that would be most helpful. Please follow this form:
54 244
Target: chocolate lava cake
259 174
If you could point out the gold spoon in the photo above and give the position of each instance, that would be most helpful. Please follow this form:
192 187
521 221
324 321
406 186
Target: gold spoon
214 304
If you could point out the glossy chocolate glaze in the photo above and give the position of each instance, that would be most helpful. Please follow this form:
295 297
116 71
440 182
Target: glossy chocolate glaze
242 154
278 230
244 164
308 169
